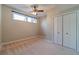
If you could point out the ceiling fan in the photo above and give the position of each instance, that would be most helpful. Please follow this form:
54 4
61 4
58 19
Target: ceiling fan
35 10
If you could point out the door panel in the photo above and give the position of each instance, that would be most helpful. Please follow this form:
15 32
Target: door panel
78 31
55 29
58 30
69 30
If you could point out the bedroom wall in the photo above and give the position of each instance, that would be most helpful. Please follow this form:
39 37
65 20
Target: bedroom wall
14 30
47 22
43 26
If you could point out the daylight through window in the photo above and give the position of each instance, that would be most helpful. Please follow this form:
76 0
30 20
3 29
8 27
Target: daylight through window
20 17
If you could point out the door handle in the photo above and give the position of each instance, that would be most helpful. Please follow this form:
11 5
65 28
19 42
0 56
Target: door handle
58 32
67 33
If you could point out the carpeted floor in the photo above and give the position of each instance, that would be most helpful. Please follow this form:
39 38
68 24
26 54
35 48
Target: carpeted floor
36 46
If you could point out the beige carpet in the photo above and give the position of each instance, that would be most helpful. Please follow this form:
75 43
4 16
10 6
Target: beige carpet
35 46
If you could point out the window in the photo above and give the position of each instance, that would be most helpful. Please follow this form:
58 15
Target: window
17 16
21 17
32 20
29 19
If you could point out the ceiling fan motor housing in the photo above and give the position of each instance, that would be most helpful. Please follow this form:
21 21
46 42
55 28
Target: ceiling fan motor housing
35 6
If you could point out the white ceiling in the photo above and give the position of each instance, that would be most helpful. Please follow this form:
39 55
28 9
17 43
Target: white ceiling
28 8
46 7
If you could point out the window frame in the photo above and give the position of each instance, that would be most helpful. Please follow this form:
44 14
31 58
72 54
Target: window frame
26 17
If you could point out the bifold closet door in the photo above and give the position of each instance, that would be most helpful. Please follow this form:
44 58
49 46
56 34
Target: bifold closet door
78 31
0 28
55 30
69 30
58 29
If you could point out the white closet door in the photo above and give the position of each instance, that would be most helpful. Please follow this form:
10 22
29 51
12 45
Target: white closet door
55 29
69 30
58 30
0 28
78 31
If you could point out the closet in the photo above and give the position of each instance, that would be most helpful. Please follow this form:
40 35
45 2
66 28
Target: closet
69 30
65 30
55 30
78 30
0 28
58 30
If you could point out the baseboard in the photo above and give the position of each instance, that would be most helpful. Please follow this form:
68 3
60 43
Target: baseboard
29 37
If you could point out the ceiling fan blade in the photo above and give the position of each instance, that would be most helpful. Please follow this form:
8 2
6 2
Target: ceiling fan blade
40 10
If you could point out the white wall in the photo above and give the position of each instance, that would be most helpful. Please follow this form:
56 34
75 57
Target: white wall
0 27
50 25
47 22
43 26
13 30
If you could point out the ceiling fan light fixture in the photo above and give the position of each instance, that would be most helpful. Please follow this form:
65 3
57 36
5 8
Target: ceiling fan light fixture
35 11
